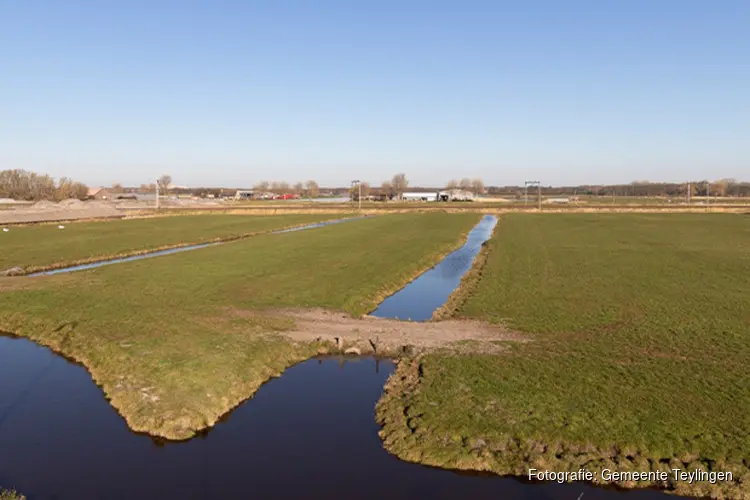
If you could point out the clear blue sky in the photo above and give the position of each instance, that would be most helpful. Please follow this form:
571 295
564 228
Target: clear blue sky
235 91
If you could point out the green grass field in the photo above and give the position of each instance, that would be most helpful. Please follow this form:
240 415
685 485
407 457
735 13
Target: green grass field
45 246
640 329
180 325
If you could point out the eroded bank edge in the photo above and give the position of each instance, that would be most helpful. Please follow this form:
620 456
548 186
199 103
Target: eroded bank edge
511 456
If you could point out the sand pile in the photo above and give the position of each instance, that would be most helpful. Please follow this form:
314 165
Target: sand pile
47 211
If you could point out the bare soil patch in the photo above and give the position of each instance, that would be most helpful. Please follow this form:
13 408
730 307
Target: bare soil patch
47 211
382 336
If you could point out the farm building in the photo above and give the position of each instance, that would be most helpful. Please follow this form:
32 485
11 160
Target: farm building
244 195
449 195
429 196
456 195
98 194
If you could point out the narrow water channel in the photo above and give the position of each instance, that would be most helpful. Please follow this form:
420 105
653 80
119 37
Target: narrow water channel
158 253
309 434
420 298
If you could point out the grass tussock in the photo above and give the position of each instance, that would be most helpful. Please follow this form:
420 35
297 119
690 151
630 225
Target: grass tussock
156 335
640 342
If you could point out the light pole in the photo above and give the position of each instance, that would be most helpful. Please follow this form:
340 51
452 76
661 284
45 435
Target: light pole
157 194
359 192
539 191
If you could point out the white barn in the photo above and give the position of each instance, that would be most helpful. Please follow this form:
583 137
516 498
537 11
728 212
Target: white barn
429 196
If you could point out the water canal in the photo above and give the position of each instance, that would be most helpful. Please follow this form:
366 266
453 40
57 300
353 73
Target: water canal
158 253
420 298
310 433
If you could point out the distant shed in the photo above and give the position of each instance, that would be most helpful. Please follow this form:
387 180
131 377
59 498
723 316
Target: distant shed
429 196
244 195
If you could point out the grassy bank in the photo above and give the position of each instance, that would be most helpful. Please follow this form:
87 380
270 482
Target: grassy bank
638 360
10 495
170 340
46 246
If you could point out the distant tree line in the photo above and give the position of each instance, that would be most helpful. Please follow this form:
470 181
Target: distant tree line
718 188
309 189
398 184
30 186
476 186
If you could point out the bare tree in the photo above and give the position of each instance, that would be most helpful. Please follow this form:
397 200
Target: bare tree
147 188
23 185
116 188
387 189
261 186
465 183
723 186
164 182
299 188
399 184
452 184
477 186
64 189
312 189
363 188
80 191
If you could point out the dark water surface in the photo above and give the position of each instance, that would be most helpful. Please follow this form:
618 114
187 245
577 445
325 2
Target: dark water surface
158 253
419 299
309 434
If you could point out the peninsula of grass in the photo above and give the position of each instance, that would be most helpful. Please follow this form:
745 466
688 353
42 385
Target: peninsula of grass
46 246
638 359
176 342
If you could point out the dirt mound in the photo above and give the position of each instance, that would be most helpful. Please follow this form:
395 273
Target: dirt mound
72 203
47 211
44 204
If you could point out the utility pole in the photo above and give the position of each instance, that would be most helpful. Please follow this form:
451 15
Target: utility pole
708 193
157 194
689 192
538 189
359 192
539 194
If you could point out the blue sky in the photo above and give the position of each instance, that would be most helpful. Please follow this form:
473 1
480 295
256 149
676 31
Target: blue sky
236 91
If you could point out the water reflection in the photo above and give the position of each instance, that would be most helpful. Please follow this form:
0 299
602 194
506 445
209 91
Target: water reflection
420 298
310 433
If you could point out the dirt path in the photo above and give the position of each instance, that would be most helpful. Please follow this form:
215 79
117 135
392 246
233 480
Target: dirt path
370 334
